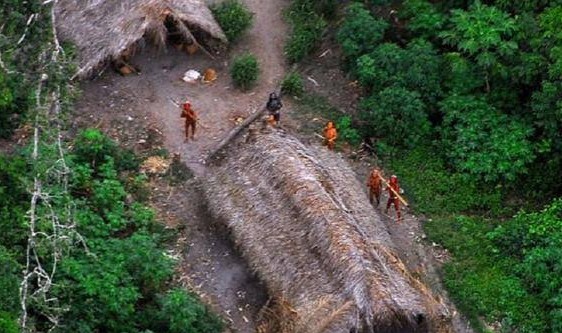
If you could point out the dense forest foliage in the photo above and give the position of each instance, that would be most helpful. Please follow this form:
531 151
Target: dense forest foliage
463 100
79 251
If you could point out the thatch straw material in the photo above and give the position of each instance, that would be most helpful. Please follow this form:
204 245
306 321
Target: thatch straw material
304 224
104 29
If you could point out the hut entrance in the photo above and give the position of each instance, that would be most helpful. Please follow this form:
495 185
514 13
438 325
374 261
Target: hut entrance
179 38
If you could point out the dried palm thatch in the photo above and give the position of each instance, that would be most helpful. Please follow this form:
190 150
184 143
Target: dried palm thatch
104 29
306 227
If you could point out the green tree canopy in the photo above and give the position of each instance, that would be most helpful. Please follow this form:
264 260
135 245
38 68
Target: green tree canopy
484 34
397 115
481 141
360 32
416 68
424 19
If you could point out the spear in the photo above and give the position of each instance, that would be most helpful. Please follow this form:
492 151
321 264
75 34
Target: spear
393 191
179 105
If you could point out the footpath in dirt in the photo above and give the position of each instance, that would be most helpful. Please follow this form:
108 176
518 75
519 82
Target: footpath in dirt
138 112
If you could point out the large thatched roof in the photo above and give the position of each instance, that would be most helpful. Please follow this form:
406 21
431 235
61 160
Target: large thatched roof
103 29
304 224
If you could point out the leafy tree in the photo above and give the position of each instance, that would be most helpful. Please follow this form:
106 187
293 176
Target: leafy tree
547 111
483 142
459 75
522 6
483 33
360 32
397 115
92 147
109 283
346 131
424 19
550 22
415 68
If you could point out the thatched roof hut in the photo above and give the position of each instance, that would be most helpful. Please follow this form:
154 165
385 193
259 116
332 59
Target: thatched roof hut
103 29
304 223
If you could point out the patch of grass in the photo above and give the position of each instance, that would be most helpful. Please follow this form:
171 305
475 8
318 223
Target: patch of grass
313 111
178 172
433 189
233 17
479 281
245 71
292 84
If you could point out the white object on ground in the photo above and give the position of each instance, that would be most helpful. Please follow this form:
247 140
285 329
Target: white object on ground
191 76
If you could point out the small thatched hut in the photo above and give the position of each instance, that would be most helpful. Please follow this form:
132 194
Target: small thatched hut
303 222
103 30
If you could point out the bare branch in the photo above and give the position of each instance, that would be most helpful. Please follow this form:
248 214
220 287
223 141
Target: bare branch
52 228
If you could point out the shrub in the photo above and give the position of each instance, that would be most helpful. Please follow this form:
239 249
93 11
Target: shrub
181 310
346 132
292 84
14 202
233 17
360 32
308 27
244 71
94 148
326 8
534 241
9 282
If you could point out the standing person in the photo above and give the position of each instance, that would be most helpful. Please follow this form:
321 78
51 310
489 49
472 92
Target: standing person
330 135
274 106
374 183
393 189
190 120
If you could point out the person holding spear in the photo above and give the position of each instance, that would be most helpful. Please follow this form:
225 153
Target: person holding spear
394 197
190 120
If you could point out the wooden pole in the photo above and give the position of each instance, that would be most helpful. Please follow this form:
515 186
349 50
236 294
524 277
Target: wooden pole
393 191
233 133
198 121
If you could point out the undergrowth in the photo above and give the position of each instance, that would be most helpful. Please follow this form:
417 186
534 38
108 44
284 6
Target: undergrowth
117 279
244 71
467 218
233 17
307 25
292 84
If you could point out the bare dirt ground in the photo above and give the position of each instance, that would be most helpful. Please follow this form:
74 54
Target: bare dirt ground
138 112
